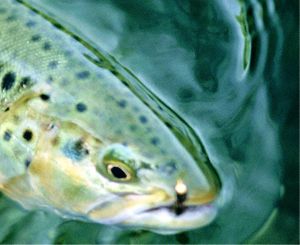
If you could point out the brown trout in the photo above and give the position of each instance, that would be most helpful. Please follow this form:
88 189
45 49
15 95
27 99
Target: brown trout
75 140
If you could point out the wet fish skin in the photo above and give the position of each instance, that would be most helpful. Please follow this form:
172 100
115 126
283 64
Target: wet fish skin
68 126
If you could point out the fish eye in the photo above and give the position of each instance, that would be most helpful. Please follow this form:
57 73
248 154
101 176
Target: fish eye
118 172
117 164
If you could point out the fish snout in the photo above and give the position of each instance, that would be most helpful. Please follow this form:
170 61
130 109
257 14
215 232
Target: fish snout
187 196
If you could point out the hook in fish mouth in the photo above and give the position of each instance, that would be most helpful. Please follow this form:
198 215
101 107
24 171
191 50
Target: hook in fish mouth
176 216
181 195
167 219
178 207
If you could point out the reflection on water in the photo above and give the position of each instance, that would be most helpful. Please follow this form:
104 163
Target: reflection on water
214 69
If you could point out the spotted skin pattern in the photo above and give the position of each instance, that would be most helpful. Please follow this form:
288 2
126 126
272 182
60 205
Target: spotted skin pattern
75 139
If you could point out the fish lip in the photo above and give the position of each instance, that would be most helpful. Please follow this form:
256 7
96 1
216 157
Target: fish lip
168 222
171 208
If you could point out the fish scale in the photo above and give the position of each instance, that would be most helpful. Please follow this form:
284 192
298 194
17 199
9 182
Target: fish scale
75 130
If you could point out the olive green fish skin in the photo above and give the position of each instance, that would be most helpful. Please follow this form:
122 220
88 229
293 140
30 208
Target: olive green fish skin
66 123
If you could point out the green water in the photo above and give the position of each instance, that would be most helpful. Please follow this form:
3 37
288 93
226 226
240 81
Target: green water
230 70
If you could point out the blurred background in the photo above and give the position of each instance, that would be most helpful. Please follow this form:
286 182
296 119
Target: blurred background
231 70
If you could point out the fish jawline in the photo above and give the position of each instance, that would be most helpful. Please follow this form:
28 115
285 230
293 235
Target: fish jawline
163 219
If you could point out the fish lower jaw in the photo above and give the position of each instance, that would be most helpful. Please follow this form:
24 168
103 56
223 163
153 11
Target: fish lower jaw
164 220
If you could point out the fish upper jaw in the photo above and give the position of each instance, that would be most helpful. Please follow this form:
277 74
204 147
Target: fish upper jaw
122 206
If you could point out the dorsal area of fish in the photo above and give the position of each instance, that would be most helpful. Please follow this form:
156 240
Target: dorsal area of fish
54 65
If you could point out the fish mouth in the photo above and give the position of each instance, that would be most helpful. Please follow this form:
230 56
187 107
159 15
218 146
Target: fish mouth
176 210
157 212
167 219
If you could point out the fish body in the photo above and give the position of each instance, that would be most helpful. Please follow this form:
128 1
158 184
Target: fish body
74 139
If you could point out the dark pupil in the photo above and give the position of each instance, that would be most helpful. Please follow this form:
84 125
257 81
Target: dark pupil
118 173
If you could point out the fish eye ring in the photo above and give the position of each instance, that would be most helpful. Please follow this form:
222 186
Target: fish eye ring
118 172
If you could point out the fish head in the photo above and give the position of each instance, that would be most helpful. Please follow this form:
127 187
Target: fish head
118 186
126 180
78 140
155 193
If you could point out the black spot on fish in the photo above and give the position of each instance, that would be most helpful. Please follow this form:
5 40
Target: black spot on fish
30 23
75 150
36 38
53 64
154 141
81 107
45 97
8 81
7 135
82 75
122 103
47 46
7 109
143 119
27 163
27 135
25 82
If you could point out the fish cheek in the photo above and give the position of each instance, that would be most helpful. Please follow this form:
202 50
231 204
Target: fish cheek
61 184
